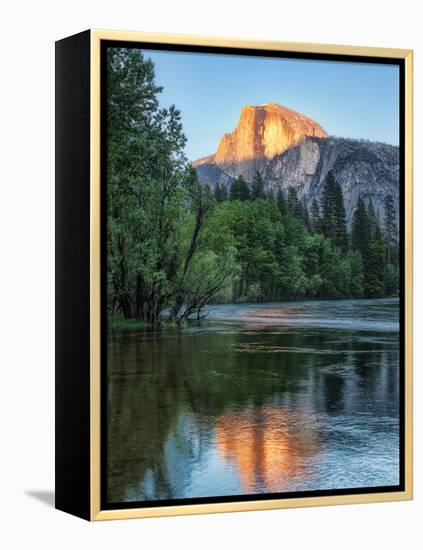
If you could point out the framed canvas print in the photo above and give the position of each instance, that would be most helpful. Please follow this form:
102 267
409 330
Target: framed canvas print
233 275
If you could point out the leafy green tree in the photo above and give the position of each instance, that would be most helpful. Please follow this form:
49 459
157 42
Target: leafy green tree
255 230
157 210
257 190
145 171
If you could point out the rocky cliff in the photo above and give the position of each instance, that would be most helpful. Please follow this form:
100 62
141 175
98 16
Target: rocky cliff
366 169
263 132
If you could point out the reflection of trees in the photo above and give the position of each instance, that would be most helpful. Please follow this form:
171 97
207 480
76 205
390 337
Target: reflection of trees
254 395
166 391
140 415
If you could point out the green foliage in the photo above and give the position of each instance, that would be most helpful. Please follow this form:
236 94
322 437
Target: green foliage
146 173
332 222
220 193
174 246
360 233
257 191
391 279
293 204
315 217
280 199
374 270
239 190
367 238
306 216
356 273
157 210
391 231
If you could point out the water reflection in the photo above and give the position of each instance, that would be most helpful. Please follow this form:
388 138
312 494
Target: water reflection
269 447
229 407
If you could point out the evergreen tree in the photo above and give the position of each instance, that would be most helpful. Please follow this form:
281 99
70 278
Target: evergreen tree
390 229
333 223
220 193
257 191
360 232
356 273
280 199
375 261
373 221
293 204
306 216
366 237
315 216
327 224
391 279
239 190
341 234
374 270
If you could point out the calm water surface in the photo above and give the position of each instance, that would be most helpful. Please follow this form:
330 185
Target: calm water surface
257 398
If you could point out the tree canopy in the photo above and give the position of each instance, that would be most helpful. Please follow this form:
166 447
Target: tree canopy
174 246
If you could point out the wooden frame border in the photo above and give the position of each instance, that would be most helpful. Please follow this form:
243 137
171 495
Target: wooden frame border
96 513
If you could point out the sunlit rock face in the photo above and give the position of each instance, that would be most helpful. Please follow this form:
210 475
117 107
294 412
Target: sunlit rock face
290 150
263 132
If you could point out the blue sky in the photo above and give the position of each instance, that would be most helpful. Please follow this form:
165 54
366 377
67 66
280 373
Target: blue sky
355 100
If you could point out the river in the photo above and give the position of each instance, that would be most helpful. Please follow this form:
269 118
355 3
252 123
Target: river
256 398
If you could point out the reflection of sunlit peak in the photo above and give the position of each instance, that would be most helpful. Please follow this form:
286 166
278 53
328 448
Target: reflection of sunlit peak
264 447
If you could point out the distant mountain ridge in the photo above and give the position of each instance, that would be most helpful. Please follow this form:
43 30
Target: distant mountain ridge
288 149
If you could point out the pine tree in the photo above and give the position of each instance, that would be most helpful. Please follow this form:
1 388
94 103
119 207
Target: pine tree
326 207
234 190
315 216
390 228
341 234
220 193
280 199
257 191
356 273
239 189
374 270
360 232
375 262
333 224
293 205
306 216
371 214
366 237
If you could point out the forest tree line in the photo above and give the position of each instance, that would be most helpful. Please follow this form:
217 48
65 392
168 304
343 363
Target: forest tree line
175 246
